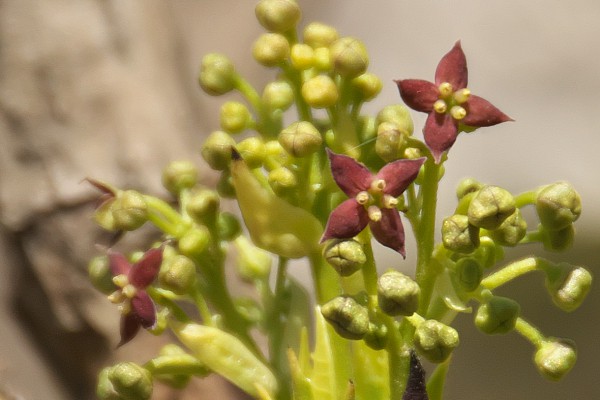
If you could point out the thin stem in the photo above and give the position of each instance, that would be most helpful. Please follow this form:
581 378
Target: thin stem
276 328
398 360
525 198
529 332
512 271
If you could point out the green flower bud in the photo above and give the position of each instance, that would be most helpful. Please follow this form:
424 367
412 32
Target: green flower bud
349 319
497 316
349 56
345 256
235 117
435 341
100 274
228 226
302 56
202 205
398 115
490 207
217 74
558 205
568 286
511 231
469 273
282 180
177 274
253 151
125 381
555 358
225 186
377 336
276 154
278 95
317 35
194 241
459 235
129 210
320 92
559 240
397 294
252 262
323 60
216 150
179 175
466 186
389 141
278 15
300 139
367 128
271 49
368 85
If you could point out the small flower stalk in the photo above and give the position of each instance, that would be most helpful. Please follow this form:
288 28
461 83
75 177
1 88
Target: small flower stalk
309 181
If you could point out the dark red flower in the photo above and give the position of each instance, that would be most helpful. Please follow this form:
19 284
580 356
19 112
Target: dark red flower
448 102
137 307
373 199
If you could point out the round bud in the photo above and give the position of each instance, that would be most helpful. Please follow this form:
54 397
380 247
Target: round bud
320 91
228 226
216 150
377 336
349 56
129 210
252 262
511 231
435 341
100 274
497 316
179 175
555 358
125 381
282 180
278 95
235 117
558 205
466 186
349 319
397 294
300 139
177 274
322 60
490 207
568 286
389 142
317 35
225 186
399 116
559 240
217 74
253 151
278 15
271 49
345 256
459 235
368 85
194 241
302 56
202 205
469 273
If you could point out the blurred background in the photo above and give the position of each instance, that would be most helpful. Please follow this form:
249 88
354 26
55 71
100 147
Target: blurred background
107 89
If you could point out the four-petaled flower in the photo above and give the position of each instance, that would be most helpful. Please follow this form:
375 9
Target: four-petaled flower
373 199
137 307
448 103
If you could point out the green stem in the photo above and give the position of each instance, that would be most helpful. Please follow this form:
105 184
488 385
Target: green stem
398 360
525 198
529 332
512 271
276 328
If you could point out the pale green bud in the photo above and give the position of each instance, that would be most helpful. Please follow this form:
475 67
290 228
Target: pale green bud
349 319
389 141
177 274
228 226
558 240
398 115
459 235
349 56
276 153
282 180
568 286
469 273
323 60
100 274
466 186
397 294
271 49
278 95
558 205
125 381
216 150
320 92
300 139
555 358
435 341
179 175
368 85
318 35
235 117
217 74
202 205
252 262
345 256
194 241
129 210
253 151
302 56
497 316
490 207
511 231
278 15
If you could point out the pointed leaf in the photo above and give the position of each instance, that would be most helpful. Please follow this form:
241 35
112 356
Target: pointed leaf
440 134
144 271
481 112
389 230
350 175
399 174
346 221
452 68
418 94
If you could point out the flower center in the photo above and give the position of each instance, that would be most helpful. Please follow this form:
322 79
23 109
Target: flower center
123 296
451 101
374 199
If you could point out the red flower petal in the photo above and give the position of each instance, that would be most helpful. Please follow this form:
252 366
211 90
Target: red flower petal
350 175
418 94
145 271
440 133
119 265
389 230
481 112
453 68
142 306
399 174
130 326
346 221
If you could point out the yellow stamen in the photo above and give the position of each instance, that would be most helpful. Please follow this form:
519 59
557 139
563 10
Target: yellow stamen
461 96
374 213
445 89
377 186
125 308
440 106
458 112
362 198
129 291
389 201
116 297
121 280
